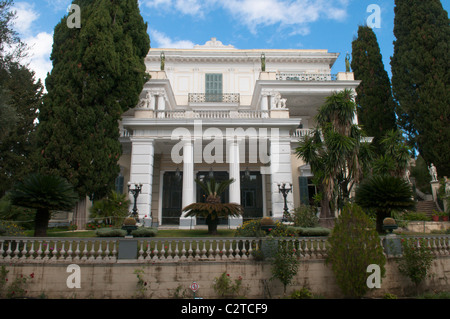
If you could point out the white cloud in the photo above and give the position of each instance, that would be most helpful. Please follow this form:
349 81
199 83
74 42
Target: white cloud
295 14
38 60
160 40
25 16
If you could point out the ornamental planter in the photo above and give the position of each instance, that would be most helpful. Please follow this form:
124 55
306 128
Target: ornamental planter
445 218
129 228
435 218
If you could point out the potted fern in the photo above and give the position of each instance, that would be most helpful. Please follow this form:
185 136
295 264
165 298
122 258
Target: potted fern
213 209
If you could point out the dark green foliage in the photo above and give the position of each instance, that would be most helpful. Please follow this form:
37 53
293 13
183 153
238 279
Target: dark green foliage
384 194
395 155
285 263
335 151
98 73
376 107
112 209
305 216
421 78
18 146
309 231
354 245
416 259
44 193
421 175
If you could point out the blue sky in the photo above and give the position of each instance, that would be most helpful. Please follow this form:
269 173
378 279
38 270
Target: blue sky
246 24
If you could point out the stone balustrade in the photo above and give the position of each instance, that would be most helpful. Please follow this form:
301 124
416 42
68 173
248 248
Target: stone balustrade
306 77
106 250
209 114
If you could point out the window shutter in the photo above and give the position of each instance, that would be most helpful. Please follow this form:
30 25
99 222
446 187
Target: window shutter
213 87
303 187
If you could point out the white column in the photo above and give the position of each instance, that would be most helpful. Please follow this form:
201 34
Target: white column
264 105
188 183
142 160
235 173
281 172
161 105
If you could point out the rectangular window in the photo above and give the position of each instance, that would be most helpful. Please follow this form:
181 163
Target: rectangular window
213 87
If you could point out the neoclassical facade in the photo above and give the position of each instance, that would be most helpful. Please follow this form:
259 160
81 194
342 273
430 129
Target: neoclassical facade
217 111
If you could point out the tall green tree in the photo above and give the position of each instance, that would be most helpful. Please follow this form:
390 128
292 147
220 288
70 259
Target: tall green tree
98 73
374 100
421 78
336 151
20 97
18 146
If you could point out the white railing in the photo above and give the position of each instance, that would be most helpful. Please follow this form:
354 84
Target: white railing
106 250
302 132
252 114
306 77
211 114
170 114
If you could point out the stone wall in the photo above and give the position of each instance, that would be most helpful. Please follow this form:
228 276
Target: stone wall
119 280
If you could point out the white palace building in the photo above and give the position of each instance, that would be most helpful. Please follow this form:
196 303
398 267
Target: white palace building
217 111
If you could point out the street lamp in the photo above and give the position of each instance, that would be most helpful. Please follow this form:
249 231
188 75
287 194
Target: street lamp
285 188
136 191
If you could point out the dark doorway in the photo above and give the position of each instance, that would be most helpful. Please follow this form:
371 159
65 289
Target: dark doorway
251 195
172 198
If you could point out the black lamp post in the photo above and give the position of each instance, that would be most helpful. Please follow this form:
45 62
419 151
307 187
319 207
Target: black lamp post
284 189
136 191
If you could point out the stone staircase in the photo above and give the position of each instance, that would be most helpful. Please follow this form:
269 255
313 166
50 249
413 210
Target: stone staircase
426 206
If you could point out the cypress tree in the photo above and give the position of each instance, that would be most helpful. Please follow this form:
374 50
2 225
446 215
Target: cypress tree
98 73
421 78
375 104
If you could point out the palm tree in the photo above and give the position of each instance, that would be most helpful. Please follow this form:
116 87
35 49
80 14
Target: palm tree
335 151
384 194
44 193
213 208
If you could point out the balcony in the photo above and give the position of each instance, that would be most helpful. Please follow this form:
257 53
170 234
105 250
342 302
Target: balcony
233 98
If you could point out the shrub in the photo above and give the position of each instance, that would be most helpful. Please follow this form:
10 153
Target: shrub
251 228
110 232
144 232
10 229
303 293
111 209
416 216
305 216
314 231
354 245
416 259
225 287
285 263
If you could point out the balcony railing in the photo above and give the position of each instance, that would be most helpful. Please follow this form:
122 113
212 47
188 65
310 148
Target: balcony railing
302 132
107 250
214 98
319 77
211 114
